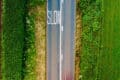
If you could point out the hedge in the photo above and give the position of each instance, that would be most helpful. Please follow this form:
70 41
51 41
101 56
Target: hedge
91 38
12 39
29 71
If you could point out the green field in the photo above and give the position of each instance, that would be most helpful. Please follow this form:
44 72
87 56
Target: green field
110 53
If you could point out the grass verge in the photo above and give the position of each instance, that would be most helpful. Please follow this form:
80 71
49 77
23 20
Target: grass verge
30 53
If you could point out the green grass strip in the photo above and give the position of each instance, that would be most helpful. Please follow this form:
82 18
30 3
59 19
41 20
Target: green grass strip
12 39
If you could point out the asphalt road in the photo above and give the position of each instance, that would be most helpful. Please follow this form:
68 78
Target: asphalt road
60 40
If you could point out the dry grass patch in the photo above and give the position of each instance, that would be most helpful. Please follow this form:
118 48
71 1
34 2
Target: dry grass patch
40 34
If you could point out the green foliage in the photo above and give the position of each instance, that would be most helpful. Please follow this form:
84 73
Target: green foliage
91 28
29 72
18 39
34 3
30 51
12 39
100 41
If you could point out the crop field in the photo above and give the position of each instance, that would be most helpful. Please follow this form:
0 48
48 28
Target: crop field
12 39
110 53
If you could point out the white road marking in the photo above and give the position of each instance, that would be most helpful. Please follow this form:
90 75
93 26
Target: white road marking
53 17
61 55
62 28
62 1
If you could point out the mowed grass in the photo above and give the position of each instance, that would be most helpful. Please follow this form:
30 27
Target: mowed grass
12 39
110 54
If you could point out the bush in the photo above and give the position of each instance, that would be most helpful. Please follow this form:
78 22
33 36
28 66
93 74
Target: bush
33 3
91 28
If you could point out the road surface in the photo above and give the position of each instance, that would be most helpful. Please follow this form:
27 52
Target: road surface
60 39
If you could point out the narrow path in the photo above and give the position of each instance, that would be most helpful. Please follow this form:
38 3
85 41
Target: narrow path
40 34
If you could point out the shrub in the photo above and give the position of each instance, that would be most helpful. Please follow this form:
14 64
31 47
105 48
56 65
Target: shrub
91 28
